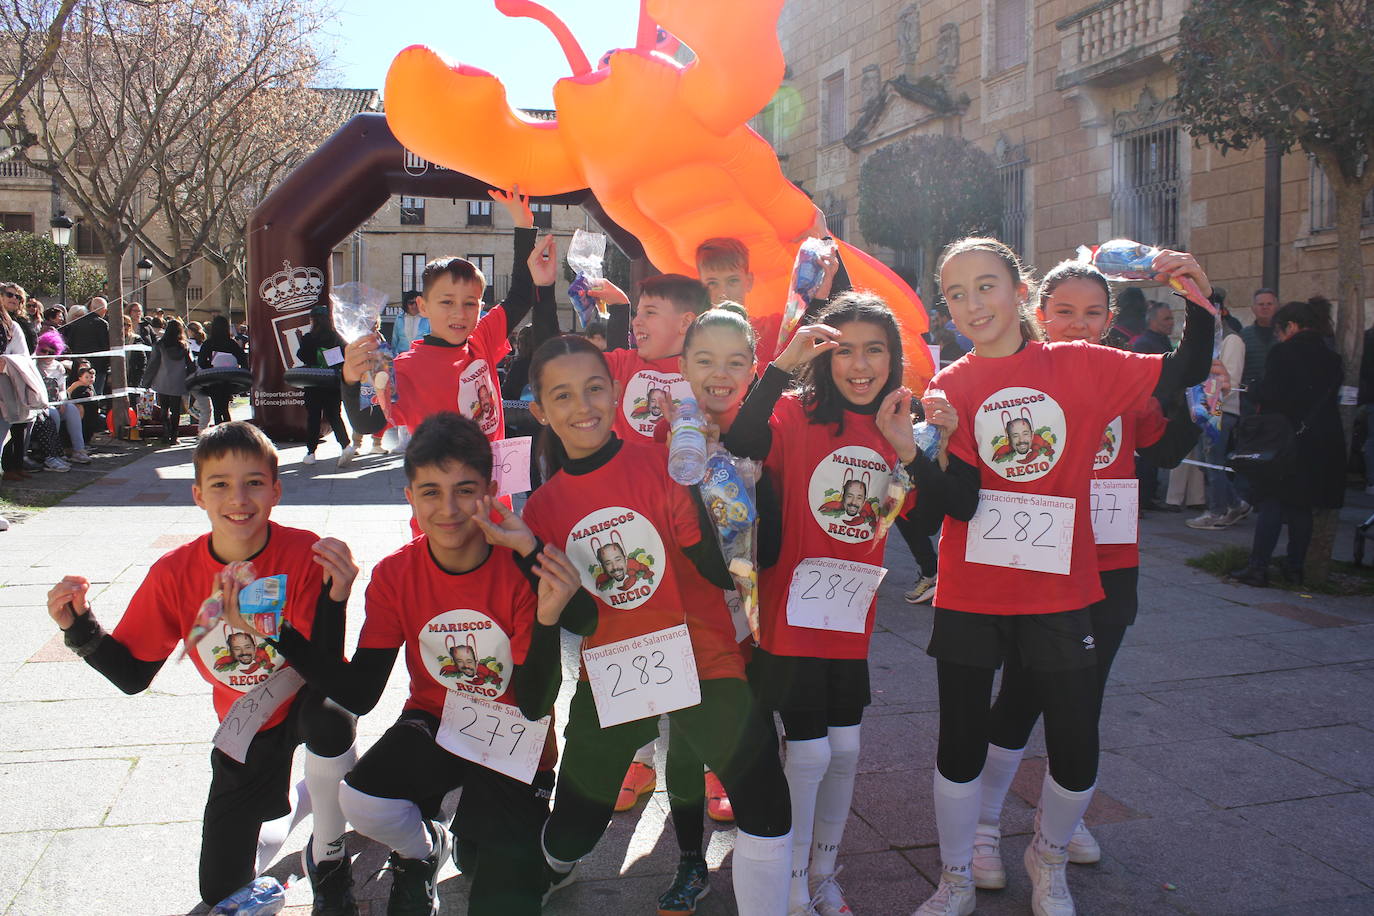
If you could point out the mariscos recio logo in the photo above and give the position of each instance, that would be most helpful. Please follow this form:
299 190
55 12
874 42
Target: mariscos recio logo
618 554
1020 433
845 490
466 651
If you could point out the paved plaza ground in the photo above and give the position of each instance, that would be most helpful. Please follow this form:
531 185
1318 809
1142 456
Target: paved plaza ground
1237 769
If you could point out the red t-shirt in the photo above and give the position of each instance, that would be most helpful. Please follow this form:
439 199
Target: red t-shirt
624 526
431 378
831 490
1032 424
1115 460
162 611
645 387
766 347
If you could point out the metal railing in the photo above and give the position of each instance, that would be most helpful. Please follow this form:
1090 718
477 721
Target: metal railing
1147 185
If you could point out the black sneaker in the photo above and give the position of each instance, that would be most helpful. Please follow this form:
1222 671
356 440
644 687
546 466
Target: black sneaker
692 882
1255 576
415 882
332 882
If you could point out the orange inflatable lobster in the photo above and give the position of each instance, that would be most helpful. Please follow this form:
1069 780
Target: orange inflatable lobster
665 147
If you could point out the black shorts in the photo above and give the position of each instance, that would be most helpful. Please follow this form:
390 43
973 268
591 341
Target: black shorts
259 788
1062 641
806 684
1118 608
407 763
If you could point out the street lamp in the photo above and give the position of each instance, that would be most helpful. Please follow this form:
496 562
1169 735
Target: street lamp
62 236
144 271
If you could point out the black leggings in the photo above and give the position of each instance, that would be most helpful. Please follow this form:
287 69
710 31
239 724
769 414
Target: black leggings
16 447
1070 701
323 403
243 796
727 730
918 540
171 414
220 396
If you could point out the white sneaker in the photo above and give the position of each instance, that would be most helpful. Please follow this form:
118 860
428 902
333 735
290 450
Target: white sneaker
80 458
922 591
375 447
1083 848
988 873
347 455
1206 521
954 897
1235 514
57 464
829 898
309 458
1049 881
804 909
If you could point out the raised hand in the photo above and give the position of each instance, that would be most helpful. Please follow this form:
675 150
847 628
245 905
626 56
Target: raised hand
809 341
340 570
543 261
608 292
558 582
894 422
67 600
358 358
1180 265
510 531
516 204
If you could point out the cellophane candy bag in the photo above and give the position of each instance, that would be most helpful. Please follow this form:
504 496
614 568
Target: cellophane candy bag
211 610
357 313
894 497
1123 259
728 492
586 255
808 273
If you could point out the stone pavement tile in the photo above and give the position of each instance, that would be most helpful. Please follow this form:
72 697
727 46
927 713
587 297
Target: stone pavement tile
881 882
1231 772
1273 701
897 805
162 790
1345 752
1164 619
129 753
905 742
1145 789
147 719
612 896
1334 829
96 784
1219 864
89 871
26 631
901 673
1140 664
27 596
1331 645
1133 719
1359 905
22 852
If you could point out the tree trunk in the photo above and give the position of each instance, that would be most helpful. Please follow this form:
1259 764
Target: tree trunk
226 290
1317 565
181 282
119 375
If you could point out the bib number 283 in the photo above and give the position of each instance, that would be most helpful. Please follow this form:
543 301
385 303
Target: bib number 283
643 676
1022 531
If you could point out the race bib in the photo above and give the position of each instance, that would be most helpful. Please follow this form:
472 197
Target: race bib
1115 511
510 465
831 594
495 735
643 676
251 710
1022 531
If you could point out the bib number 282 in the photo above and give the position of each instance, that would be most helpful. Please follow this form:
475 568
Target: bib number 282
1022 531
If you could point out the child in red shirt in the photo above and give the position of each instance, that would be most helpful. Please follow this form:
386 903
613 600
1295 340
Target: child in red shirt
301 579
637 540
1074 302
831 448
1019 571
476 606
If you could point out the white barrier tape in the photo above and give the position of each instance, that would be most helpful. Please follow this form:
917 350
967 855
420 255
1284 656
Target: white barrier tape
141 348
1203 464
118 393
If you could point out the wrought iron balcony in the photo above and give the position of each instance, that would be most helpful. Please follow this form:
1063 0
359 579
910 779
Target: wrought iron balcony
1114 41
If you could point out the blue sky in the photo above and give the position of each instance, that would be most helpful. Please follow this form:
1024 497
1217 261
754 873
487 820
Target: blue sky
367 34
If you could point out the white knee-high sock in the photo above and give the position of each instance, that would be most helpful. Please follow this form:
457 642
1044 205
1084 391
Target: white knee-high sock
956 818
272 835
998 773
394 822
763 871
1060 812
645 754
805 767
323 776
833 799
562 866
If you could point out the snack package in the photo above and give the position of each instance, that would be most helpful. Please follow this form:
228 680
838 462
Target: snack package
357 313
807 275
894 497
1204 406
727 491
212 609
586 255
1123 259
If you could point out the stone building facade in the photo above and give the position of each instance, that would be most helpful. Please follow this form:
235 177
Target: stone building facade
1073 100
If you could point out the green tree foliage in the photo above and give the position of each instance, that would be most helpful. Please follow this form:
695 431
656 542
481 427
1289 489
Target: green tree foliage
35 263
920 193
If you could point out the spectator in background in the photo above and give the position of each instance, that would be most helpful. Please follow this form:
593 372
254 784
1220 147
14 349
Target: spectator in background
14 297
54 316
50 346
34 309
200 399
220 351
1259 340
595 331
1224 505
321 347
241 337
518 373
1159 325
90 333
169 365
15 415
1130 319
1228 321
1301 381
410 325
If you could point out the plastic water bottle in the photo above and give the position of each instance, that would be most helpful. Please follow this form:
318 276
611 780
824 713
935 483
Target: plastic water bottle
261 898
687 445
927 439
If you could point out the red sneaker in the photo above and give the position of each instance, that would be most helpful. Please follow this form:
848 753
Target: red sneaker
639 780
718 806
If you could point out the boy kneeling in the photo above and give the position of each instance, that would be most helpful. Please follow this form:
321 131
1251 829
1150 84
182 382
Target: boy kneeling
476 605
298 581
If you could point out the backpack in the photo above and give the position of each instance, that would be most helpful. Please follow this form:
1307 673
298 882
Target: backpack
1266 447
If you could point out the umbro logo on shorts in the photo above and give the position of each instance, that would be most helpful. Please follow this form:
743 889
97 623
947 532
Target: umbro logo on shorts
1088 642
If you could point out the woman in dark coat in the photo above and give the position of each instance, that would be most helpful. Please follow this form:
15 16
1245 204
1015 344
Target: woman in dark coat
322 348
221 351
1301 381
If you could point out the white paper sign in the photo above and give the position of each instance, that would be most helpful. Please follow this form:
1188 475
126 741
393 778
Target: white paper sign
510 465
828 594
1022 531
1115 511
254 708
333 356
643 676
495 735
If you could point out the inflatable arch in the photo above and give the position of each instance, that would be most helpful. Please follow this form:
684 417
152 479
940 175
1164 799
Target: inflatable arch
292 232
